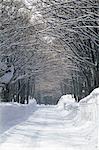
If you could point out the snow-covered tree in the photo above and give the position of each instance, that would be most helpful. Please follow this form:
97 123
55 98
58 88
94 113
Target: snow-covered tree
75 24
18 41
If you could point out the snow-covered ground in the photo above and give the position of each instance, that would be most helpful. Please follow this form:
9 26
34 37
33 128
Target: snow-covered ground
66 126
14 113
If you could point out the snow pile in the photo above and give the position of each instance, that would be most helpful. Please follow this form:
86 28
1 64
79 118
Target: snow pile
89 111
92 98
89 106
64 101
14 113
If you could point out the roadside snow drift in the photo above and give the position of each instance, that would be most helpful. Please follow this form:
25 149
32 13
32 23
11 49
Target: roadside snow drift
92 98
64 100
89 106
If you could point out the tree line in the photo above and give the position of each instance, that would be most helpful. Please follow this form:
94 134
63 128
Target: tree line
72 24
75 25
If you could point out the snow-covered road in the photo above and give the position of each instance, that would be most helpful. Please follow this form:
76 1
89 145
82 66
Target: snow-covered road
50 128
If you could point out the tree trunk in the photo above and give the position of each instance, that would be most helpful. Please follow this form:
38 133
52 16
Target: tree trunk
5 93
22 94
18 92
28 91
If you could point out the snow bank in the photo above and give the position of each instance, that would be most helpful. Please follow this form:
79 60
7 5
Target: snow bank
14 113
66 100
89 106
89 111
67 107
92 98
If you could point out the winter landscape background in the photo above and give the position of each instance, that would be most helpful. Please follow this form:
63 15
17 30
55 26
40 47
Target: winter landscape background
49 74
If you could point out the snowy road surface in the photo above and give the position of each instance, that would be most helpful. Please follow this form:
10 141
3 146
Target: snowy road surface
49 128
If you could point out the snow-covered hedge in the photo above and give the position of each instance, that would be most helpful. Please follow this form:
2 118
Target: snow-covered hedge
14 113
